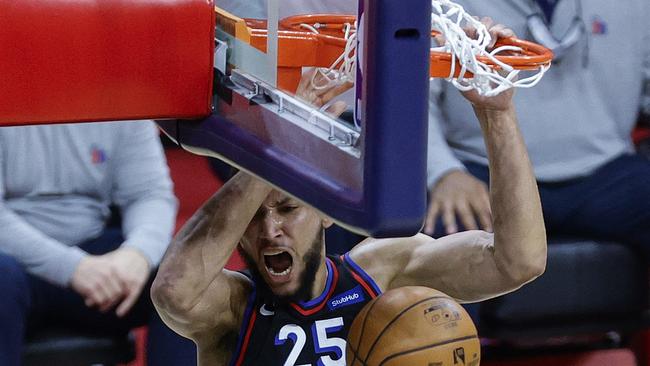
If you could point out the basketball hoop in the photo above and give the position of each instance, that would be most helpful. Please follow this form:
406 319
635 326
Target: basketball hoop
329 42
466 61
462 60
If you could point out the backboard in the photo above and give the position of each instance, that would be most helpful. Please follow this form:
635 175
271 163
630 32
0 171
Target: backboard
365 168
138 59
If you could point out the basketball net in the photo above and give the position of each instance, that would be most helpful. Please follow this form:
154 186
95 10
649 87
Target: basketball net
343 68
451 21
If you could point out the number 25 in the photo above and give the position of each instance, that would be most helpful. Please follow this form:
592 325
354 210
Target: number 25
322 343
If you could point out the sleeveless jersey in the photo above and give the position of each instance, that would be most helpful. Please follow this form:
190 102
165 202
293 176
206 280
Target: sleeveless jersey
310 333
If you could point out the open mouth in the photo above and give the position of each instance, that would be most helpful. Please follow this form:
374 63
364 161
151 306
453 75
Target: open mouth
278 263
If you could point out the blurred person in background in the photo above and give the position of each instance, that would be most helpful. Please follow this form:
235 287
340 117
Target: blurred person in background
66 259
577 124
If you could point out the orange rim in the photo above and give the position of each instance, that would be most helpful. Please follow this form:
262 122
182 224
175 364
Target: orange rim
332 25
299 47
296 48
532 54
259 27
531 57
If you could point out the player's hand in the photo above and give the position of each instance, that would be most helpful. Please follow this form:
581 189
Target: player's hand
499 103
496 30
319 97
132 270
459 194
502 101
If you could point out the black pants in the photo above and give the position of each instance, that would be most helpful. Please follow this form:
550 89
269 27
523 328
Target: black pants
28 303
613 203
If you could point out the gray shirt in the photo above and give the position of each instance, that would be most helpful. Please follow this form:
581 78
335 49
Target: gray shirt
56 185
257 8
581 114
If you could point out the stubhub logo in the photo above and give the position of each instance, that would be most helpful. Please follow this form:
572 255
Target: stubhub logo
347 298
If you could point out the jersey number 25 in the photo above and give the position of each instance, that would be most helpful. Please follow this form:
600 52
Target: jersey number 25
322 343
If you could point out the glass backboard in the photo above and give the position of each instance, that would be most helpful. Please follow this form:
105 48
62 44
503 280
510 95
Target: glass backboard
274 62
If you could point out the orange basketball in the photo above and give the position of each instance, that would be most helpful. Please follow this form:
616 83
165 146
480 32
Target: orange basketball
413 326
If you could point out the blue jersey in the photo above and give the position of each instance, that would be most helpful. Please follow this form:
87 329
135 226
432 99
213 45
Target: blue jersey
310 333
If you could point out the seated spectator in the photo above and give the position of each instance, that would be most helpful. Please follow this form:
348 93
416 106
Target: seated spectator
577 124
63 262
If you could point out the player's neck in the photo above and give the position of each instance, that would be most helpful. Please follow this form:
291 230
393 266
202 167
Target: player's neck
320 281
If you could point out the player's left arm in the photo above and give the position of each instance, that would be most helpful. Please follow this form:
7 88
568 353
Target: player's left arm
466 265
475 265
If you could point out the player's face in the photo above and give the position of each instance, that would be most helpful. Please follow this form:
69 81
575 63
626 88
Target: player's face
279 240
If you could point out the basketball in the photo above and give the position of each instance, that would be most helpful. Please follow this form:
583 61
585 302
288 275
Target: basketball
413 326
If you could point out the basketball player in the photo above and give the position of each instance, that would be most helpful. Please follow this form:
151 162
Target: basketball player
297 305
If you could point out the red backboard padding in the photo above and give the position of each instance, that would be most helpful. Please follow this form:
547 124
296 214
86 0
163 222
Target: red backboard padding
65 61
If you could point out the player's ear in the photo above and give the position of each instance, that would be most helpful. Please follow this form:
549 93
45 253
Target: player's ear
326 222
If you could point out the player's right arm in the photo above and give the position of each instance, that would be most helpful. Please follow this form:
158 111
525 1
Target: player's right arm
454 193
192 291
475 265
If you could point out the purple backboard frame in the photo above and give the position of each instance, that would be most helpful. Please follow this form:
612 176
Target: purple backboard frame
383 193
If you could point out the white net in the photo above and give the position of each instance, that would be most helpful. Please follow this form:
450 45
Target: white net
343 68
468 71
452 21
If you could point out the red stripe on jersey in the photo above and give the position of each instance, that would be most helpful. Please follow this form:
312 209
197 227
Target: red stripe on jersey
363 283
335 278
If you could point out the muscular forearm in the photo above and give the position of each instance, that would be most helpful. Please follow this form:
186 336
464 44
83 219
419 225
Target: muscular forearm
200 251
519 233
